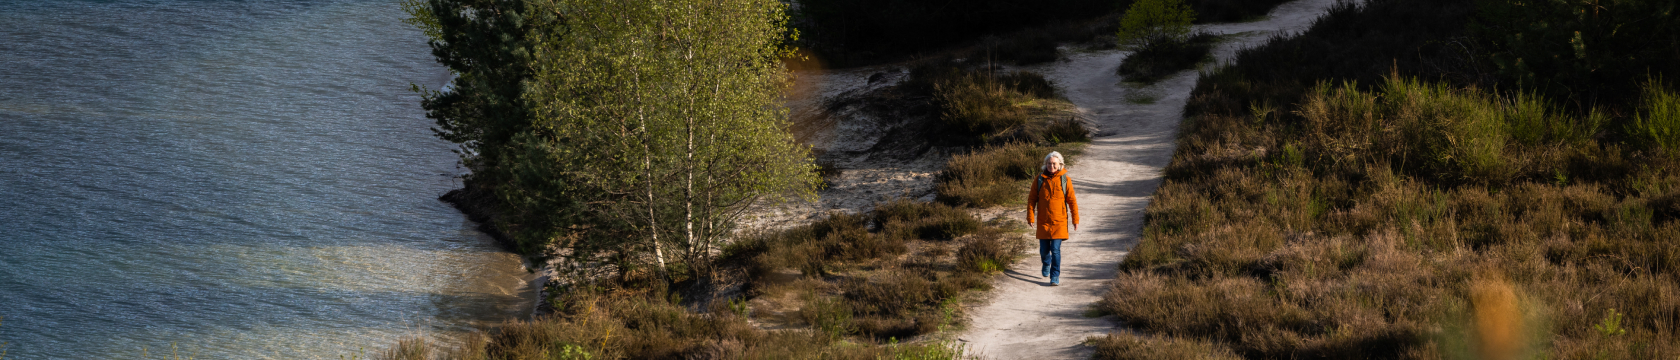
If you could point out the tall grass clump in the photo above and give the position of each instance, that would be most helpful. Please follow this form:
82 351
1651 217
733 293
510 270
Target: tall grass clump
1658 122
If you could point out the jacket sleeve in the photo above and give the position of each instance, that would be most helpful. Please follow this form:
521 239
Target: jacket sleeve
1073 205
1032 200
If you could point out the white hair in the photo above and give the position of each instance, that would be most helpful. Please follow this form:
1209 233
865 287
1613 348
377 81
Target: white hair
1046 166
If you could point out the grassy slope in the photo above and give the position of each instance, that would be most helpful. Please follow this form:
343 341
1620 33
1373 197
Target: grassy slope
1325 203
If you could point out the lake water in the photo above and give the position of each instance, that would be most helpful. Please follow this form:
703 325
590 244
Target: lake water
245 179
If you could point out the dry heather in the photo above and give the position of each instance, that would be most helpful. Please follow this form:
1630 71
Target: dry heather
1411 221
849 286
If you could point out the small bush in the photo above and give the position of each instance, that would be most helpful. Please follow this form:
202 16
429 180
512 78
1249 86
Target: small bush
1658 123
979 103
933 221
998 175
1152 21
989 251
990 176
1157 60
413 348
1066 130
827 315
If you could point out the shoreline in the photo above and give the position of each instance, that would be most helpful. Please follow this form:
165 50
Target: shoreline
479 208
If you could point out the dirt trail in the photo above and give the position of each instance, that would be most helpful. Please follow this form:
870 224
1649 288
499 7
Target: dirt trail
1026 318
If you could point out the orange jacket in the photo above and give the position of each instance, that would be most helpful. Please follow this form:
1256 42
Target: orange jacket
1053 205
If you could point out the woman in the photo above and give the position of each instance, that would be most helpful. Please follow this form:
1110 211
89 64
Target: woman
1051 200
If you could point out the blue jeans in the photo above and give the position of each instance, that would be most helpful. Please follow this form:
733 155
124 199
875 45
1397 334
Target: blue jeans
1050 251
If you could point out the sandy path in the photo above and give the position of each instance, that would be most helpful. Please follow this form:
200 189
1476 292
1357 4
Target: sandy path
1026 318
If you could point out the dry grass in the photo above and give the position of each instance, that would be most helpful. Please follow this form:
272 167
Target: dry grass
1319 209
995 175
616 324
908 288
1412 221
996 107
1129 346
849 286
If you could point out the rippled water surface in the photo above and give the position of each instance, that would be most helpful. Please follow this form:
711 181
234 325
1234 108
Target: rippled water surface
247 179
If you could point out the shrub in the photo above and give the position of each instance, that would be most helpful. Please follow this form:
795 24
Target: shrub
1156 60
1066 130
1658 122
1150 21
928 220
989 251
980 104
990 176
413 348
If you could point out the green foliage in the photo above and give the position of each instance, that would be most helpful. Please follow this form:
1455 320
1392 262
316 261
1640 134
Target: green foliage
613 130
572 352
420 16
1150 21
1585 51
1658 122
483 42
929 351
1611 325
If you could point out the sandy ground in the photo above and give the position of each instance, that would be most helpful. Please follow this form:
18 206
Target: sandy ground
1027 318
872 141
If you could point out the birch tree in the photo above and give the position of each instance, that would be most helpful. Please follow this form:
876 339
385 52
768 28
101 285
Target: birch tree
660 121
